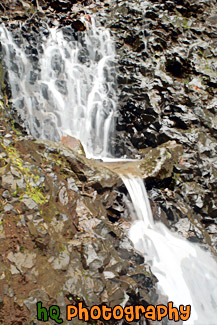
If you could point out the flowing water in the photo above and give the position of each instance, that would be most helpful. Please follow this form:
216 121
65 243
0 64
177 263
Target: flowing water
186 273
66 84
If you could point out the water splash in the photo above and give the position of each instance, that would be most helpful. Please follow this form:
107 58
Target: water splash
67 87
186 273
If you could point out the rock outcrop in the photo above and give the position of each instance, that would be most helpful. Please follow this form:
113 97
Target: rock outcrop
63 231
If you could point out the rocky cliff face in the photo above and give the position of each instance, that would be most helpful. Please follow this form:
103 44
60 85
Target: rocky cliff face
64 218
167 82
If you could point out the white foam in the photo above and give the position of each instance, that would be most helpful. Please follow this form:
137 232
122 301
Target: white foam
186 273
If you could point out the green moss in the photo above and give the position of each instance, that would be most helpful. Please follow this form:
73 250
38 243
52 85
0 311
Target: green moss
37 177
34 192
58 159
18 133
36 195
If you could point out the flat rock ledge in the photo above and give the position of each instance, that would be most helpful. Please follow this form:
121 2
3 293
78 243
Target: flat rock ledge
157 163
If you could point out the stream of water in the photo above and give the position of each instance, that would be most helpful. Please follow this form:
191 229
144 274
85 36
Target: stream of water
186 273
69 87
64 84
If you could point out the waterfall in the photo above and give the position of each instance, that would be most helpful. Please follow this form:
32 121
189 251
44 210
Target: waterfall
186 273
62 83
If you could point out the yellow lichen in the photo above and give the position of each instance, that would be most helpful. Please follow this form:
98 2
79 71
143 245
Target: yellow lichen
34 192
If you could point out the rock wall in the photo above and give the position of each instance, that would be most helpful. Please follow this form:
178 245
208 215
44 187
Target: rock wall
167 88
63 218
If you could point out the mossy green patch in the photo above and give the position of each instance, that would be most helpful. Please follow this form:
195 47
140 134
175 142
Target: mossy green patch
18 133
36 195
34 192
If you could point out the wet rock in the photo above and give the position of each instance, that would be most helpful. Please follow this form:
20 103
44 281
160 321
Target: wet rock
157 163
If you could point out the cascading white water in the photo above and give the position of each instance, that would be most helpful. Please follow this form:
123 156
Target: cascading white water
186 273
69 88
